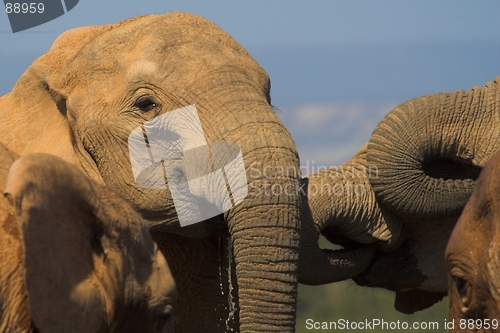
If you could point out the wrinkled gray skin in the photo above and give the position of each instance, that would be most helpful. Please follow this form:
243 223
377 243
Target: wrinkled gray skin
82 99
75 257
414 177
473 256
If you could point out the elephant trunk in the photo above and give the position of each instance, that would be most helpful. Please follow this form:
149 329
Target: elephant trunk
342 206
265 226
429 151
265 232
265 241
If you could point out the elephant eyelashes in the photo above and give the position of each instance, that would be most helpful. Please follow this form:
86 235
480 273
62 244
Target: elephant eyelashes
463 289
146 103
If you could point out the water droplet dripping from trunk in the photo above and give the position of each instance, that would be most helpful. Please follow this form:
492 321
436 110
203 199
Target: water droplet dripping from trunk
230 298
225 274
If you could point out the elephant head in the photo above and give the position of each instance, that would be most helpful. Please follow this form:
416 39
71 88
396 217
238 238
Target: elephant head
81 258
177 90
414 177
473 257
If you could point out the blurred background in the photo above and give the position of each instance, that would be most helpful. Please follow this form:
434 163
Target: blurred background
336 67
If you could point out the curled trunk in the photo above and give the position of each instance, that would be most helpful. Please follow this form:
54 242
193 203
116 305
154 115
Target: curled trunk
342 206
430 150
416 172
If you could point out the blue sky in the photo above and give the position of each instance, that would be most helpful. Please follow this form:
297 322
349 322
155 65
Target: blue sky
336 66
262 23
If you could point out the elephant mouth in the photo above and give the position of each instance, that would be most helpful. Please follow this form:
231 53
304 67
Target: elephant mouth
214 226
396 271
408 299
364 280
343 243
160 220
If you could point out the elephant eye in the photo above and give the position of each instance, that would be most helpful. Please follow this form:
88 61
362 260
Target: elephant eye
146 103
464 291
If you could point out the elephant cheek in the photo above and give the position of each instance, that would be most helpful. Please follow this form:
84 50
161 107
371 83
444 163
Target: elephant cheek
453 303
92 293
170 153
86 297
434 269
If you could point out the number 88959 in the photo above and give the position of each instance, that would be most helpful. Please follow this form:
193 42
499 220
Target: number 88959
24 8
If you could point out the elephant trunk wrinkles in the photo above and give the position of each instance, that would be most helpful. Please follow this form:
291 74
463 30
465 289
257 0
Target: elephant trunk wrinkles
266 258
341 205
430 150
265 226
265 232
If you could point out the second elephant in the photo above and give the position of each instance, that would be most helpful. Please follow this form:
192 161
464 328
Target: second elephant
75 256
473 258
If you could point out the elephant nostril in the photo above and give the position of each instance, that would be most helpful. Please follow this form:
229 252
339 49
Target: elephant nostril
447 168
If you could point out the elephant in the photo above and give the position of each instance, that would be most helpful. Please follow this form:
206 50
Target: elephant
472 257
177 92
75 256
403 192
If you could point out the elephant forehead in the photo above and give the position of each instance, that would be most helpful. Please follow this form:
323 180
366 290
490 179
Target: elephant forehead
178 46
150 35
177 41
142 68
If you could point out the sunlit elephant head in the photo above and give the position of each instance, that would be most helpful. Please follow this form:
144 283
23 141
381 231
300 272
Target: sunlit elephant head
171 113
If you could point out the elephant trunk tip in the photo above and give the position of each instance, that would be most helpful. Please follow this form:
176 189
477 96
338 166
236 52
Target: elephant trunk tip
334 265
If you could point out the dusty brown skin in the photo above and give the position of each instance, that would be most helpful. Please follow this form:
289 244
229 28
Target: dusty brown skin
75 256
472 254
417 171
81 100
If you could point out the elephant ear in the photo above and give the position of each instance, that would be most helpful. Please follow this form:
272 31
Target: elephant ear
39 97
35 99
53 207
